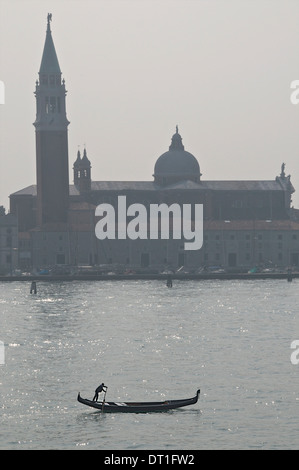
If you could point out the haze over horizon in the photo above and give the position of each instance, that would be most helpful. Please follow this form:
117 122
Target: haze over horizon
220 70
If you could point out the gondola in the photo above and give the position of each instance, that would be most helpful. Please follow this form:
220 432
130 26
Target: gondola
138 407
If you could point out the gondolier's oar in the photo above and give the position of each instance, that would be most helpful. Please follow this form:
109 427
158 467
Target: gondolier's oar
104 400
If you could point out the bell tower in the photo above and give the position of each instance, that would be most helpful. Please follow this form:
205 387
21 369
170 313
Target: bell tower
51 127
82 172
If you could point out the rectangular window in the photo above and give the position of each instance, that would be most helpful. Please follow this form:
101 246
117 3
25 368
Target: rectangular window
44 80
52 104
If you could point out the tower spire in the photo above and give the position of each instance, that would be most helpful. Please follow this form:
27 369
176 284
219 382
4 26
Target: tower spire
82 172
49 63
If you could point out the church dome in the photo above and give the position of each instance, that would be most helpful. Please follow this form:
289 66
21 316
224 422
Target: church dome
176 164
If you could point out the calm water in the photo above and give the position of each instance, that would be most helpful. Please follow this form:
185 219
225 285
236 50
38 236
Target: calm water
146 342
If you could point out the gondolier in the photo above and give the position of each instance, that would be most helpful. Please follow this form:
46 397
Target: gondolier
99 389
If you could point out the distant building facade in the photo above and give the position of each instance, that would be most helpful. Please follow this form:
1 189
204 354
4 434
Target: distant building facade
8 243
246 223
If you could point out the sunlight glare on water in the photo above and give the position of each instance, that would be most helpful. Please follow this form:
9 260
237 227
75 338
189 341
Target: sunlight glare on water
231 339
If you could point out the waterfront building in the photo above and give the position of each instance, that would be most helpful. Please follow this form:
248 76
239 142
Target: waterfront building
246 223
8 243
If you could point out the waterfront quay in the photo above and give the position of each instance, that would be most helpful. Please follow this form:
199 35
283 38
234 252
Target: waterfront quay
154 276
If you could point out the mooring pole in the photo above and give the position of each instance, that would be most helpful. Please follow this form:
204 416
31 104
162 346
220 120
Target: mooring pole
33 287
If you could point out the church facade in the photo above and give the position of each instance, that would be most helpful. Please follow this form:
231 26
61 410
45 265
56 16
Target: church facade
245 223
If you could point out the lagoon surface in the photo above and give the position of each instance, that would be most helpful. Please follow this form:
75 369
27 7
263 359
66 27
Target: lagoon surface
231 339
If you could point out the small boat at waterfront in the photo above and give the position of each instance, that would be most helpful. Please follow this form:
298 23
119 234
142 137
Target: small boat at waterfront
138 407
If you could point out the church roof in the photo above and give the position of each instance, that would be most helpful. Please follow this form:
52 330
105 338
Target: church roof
263 185
123 186
28 191
244 185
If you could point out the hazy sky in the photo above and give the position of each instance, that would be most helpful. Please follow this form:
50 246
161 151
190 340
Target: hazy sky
134 69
